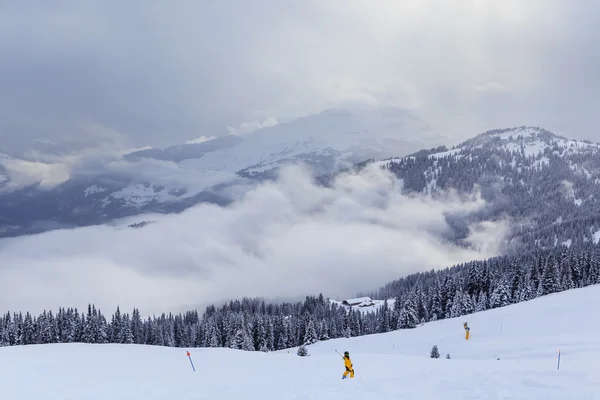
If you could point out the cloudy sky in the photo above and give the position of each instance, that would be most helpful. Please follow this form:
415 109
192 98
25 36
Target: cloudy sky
285 239
154 73
130 74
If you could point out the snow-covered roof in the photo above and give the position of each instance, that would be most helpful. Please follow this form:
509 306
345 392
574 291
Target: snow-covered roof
358 300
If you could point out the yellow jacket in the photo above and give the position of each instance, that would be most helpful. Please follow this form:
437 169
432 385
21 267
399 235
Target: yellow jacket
348 363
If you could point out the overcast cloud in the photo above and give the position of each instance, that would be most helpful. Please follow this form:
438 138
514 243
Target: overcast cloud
165 72
283 239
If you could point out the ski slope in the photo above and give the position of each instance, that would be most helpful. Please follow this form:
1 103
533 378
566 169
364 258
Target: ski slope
512 354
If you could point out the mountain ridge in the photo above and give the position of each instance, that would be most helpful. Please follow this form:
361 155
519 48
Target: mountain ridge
510 166
177 177
540 181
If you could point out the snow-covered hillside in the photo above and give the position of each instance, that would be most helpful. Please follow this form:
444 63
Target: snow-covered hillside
327 141
530 142
512 354
546 182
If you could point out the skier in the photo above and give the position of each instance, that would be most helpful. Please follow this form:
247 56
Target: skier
348 365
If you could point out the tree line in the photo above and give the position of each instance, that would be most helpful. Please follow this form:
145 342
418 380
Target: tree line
255 325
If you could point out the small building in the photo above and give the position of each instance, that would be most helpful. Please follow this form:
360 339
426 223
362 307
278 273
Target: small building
360 302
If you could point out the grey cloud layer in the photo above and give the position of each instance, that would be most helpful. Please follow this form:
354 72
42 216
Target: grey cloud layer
173 71
283 239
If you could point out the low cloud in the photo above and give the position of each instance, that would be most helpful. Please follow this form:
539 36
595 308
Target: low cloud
23 173
282 239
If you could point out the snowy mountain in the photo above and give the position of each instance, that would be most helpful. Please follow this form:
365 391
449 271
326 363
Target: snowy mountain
548 184
512 352
178 177
328 141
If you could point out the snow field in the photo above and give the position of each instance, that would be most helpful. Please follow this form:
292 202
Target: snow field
396 365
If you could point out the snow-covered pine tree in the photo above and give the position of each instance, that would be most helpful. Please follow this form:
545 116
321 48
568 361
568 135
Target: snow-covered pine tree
213 338
270 342
384 318
408 316
310 335
127 333
436 305
302 351
457 304
324 330
247 343
549 282
283 339
238 340
499 297
468 304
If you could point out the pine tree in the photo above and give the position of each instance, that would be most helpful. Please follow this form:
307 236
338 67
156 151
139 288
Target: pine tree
482 302
384 318
324 330
436 306
468 304
408 316
434 352
457 305
270 343
310 336
239 339
549 282
499 297
302 351
247 344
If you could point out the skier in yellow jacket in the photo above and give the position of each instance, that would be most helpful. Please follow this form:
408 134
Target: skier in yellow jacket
348 365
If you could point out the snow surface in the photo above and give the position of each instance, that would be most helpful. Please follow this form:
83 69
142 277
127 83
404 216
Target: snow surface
512 354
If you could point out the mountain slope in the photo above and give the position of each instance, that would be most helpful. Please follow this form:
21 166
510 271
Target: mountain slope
176 178
328 141
547 184
512 353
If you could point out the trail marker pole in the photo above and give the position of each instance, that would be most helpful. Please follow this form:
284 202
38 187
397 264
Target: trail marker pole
558 366
191 362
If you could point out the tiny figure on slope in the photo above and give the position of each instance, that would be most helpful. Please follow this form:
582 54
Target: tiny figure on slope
467 330
348 365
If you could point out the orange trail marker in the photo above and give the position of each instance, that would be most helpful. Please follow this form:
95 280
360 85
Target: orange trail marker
191 362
